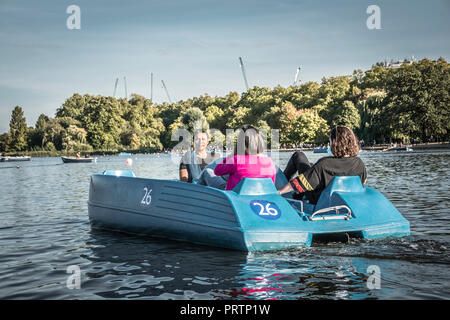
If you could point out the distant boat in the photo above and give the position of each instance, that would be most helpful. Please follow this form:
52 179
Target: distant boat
11 159
404 148
124 154
322 150
77 160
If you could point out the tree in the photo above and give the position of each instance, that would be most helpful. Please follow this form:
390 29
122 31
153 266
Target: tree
283 118
334 89
309 95
419 98
103 119
346 114
74 139
194 120
18 130
39 131
310 128
375 78
4 142
53 136
215 117
373 123
73 107
238 117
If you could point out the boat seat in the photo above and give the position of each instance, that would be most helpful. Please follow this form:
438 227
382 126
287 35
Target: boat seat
338 184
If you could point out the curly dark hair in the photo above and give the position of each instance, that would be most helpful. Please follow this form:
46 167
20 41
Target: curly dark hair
345 142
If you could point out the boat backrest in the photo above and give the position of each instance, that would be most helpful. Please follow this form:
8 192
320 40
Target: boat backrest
338 184
280 179
119 173
255 186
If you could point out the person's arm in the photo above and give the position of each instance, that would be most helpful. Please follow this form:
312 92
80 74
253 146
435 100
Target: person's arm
364 176
225 167
184 174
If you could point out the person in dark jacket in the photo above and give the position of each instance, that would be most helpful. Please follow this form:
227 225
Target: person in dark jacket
313 179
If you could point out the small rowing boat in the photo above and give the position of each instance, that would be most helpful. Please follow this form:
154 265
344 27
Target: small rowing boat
77 160
13 159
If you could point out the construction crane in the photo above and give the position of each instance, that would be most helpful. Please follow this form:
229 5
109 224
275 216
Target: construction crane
151 87
243 72
296 79
125 82
115 87
167 92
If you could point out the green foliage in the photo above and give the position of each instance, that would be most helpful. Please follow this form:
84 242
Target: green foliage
4 142
215 117
420 99
379 104
18 130
334 89
310 128
375 78
346 114
193 119
283 118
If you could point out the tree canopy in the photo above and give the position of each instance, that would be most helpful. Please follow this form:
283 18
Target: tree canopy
379 104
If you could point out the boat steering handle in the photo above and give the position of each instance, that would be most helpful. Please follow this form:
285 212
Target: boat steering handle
336 208
297 201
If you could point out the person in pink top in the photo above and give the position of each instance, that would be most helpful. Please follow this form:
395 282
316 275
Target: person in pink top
247 160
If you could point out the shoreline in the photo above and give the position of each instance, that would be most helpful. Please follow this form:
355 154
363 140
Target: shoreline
42 154
420 146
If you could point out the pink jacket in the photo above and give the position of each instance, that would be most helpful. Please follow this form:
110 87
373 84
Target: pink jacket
245 166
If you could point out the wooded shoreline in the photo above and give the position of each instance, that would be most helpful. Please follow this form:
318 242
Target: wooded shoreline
408 104
42 154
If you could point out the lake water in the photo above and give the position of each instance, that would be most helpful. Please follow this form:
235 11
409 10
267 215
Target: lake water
45 228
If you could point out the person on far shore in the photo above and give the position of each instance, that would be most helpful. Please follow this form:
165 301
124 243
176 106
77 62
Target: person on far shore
78 155
313 179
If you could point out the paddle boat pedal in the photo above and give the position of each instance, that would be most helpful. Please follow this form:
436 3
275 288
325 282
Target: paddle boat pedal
251 217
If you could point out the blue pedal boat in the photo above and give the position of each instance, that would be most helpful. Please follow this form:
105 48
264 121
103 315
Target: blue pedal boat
251 217
322 150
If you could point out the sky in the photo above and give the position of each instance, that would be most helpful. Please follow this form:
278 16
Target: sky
194 45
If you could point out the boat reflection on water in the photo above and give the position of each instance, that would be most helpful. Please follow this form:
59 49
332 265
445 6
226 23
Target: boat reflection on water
138 266
134 267
294 275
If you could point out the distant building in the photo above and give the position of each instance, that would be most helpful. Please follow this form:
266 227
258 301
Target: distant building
395 64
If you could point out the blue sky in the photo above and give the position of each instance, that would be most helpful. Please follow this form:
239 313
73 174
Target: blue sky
194 45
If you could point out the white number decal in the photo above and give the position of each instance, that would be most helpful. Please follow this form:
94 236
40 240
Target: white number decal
261 213
267 210
147 199
271 211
